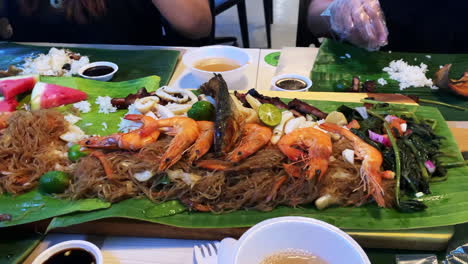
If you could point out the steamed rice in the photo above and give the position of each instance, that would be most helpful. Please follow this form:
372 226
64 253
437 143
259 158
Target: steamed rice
408 75
52 64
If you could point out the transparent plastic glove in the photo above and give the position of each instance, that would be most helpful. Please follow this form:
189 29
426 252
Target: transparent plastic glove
360 22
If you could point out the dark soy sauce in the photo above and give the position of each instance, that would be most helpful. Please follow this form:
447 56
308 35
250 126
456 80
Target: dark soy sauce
72 256
291 84
98 71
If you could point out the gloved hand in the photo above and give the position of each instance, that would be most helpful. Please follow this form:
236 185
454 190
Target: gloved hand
360 22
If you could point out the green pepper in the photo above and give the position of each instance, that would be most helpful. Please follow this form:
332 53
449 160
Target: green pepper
76 152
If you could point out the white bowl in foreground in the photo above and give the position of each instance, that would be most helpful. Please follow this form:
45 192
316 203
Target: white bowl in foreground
292 233
85 245
292 76
104 77
240 56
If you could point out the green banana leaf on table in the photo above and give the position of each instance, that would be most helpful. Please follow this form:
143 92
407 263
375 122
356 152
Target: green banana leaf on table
337 63
447 204
132 64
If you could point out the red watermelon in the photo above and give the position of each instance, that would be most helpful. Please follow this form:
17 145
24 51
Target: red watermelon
46 95
12 86
8 105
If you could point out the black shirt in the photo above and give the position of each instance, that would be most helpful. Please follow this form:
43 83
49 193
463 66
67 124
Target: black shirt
126 22
427 25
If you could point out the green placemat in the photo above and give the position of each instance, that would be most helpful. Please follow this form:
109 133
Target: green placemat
338 62
132 64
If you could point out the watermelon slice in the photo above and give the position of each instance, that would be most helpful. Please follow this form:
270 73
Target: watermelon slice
8 105
12 86
46 95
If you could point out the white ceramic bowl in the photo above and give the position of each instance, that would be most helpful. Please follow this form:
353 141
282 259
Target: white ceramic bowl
90 247
292 233
292 76
209 52
103 78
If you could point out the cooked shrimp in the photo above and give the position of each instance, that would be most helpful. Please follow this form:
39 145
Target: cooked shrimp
253 138
185 131
309 144
132 140
371 173
204 141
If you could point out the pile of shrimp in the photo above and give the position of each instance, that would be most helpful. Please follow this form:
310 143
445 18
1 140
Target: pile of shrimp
306 165
30 146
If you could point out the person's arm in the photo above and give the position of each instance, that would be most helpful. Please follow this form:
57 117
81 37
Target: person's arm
192 18
319 25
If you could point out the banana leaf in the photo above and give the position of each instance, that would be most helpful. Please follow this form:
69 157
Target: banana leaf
34 206
133 64
447 205
16 245
92 122
333 72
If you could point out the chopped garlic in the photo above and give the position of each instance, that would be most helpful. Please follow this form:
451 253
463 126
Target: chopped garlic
348 155
189 178
143 176
326 201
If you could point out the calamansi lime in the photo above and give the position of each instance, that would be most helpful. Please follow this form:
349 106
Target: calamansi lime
75 153
202 110
54 182
269 114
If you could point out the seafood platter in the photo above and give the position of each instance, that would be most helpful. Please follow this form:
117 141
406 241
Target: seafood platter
78 151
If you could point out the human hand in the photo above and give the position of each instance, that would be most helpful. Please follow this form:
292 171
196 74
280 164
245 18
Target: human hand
360 22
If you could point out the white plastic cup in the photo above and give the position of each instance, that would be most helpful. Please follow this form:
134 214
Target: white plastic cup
231 77
290 76
85 245
282 234
103 78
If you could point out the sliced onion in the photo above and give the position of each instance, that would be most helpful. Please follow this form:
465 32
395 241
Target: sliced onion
362 111
383 139
430 166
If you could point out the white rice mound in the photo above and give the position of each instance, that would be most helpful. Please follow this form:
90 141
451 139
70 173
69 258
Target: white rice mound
408 75
83 106
105 105
51 64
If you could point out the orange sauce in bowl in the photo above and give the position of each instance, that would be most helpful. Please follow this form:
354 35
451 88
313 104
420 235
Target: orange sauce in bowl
216 65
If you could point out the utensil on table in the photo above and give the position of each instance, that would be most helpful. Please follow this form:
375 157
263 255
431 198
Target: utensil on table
206 253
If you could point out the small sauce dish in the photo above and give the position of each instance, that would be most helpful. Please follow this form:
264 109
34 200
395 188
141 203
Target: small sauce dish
78 251
99 71
291 83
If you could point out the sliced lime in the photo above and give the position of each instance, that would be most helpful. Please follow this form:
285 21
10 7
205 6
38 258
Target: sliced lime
202 110
269 114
